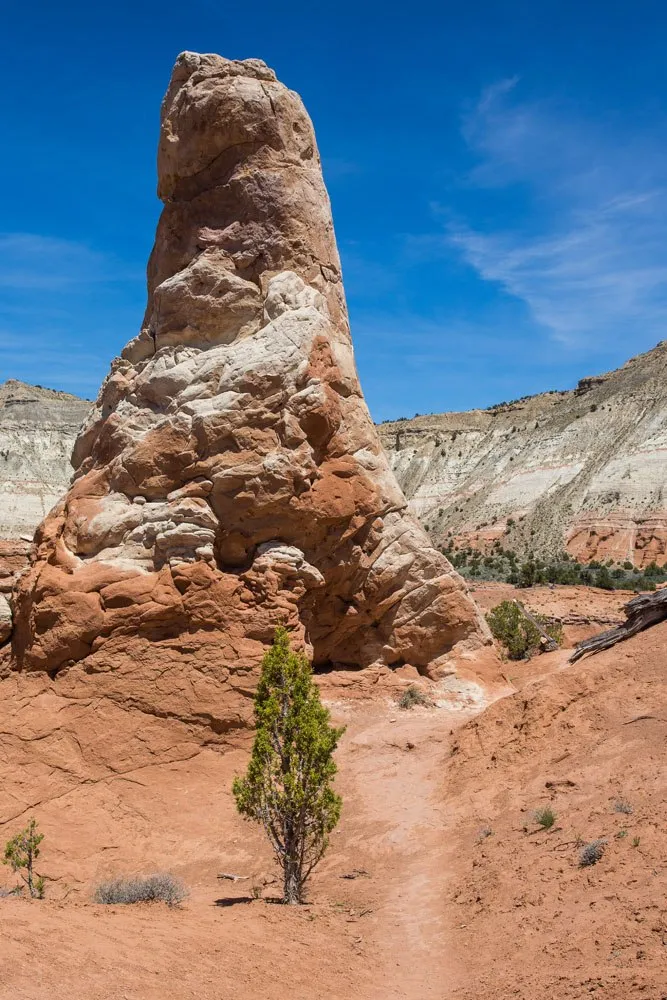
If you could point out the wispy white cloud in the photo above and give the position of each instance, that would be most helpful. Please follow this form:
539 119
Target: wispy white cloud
46 263
589 258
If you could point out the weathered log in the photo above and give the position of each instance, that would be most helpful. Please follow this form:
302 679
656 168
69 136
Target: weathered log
548 643
641 612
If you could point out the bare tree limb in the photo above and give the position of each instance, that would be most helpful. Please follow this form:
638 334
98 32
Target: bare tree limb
548 643
641 612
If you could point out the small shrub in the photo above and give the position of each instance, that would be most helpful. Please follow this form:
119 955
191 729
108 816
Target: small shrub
527 574
161 887
545 817
603 579
621 806
621 834
635 841
510 626
21 852
414 696
483 833
287 787
256 891
592 853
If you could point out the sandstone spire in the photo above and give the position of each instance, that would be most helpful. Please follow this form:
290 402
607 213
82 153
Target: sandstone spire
230 477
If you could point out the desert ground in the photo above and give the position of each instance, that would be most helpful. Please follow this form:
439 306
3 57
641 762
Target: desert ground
438 882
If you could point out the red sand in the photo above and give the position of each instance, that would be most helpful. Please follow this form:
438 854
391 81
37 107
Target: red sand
443 912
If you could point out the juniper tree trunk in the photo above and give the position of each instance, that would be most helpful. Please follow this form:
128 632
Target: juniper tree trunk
31 886
292 882
292 886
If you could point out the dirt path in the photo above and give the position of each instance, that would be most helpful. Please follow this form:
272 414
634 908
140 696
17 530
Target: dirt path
393 782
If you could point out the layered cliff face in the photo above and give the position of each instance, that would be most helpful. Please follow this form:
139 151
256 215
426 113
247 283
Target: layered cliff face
584 470
229 477
38 428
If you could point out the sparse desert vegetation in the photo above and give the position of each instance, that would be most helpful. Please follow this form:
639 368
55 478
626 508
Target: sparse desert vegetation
161 887
545 817
504 565
413 696
21 853
622 806
592 852
236 665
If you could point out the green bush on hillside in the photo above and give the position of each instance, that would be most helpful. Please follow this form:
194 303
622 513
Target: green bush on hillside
503 565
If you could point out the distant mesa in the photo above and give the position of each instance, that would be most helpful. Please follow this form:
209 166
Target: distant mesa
584 471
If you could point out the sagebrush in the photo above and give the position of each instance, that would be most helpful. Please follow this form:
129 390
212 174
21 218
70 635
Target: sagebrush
161 887
592 853
622 806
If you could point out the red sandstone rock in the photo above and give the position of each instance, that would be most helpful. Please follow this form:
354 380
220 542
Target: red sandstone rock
229 477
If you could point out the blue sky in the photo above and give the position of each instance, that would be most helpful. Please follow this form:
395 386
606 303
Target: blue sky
497 172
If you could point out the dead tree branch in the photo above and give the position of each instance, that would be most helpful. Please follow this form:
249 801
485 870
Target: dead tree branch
548 643
641 612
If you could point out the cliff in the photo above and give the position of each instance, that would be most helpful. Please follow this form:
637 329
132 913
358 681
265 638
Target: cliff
583 470
38 428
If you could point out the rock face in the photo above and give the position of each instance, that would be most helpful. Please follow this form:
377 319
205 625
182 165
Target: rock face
229 477
38 428
584 471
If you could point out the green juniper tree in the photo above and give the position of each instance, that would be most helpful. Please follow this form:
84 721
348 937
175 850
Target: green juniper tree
21 852
510 625
287 787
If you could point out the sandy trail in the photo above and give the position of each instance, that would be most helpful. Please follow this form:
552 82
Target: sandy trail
392 778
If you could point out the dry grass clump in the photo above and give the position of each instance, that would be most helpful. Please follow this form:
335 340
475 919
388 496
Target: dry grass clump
592 853
413 696
483 833
545 817
161 887
622 806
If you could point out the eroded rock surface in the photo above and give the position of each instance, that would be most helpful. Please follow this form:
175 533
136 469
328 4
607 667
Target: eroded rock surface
229 477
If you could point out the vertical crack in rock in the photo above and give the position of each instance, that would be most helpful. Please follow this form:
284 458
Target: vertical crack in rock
229 477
